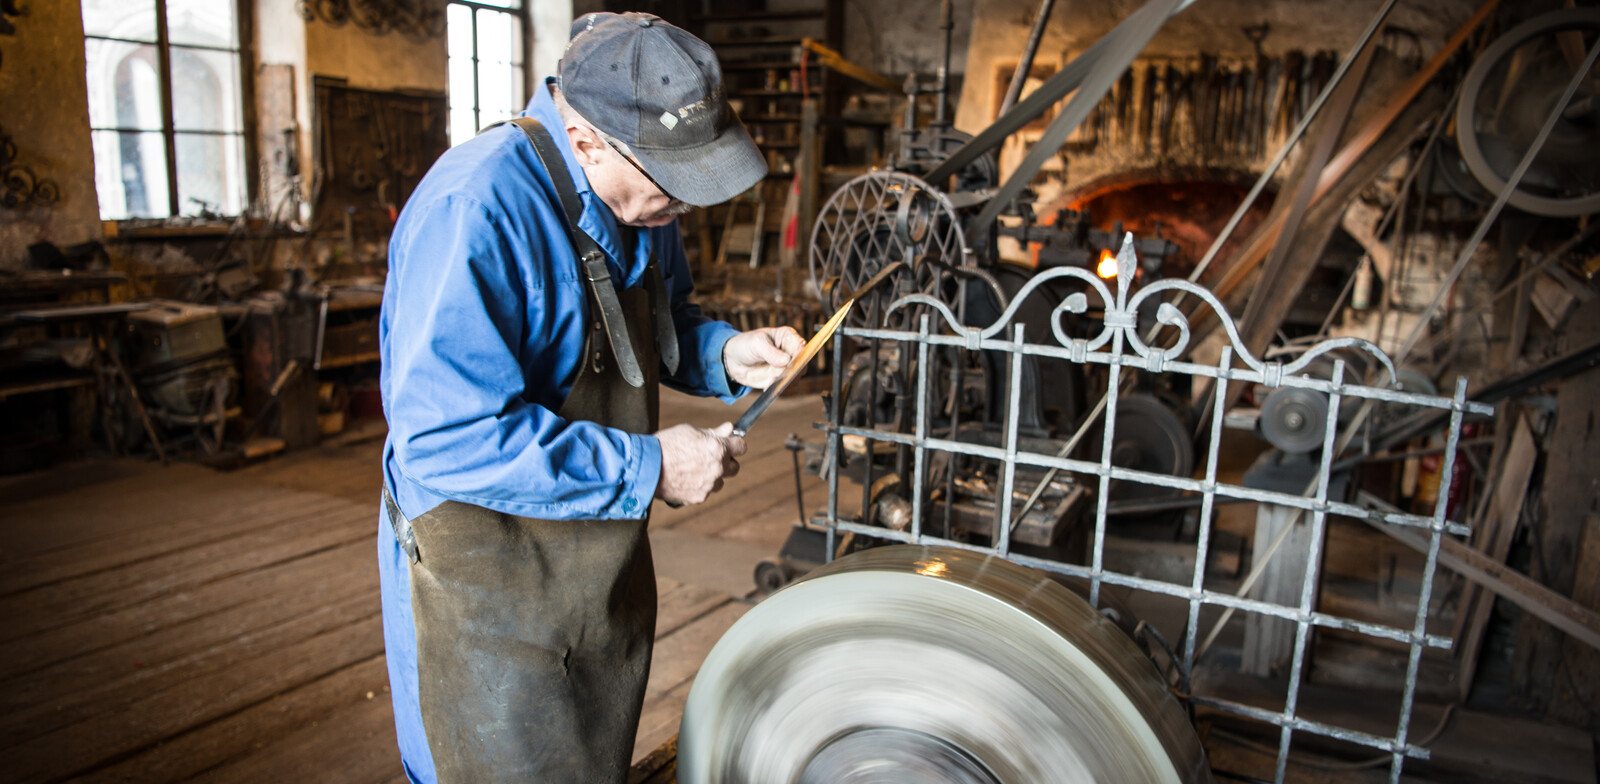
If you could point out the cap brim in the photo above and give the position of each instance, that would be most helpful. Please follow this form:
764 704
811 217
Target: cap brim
711 173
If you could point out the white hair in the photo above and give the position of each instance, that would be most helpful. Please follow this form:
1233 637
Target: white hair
570 116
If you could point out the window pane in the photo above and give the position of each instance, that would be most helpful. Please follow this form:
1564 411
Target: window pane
461 90
130 175
124 85
458 28
205 90
211 174
202 22
499 37
512 4
133 19
462 124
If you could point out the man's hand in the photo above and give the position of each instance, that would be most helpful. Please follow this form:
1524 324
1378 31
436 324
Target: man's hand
758 357
694 461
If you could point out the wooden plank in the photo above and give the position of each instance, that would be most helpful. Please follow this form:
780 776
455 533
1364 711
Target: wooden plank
236 737
155 718
19 657
144 542
1569 492
1577 696
1557 610
57 605
683 604
1497 533
678 655
353 744
257 644
659 720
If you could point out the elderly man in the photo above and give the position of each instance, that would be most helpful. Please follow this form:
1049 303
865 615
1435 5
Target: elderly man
537 292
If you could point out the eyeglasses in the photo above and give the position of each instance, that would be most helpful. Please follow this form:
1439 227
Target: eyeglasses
640 169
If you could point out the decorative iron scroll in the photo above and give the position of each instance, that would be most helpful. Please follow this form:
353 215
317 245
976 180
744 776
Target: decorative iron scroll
20 188
1118 346
418 20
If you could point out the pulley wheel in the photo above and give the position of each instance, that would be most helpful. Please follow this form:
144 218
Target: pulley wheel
1505 98
1149 437
1294 420
931 664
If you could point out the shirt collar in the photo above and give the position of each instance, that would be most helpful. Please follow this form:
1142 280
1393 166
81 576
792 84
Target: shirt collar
597 219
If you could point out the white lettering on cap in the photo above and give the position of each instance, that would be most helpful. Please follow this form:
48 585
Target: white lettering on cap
669 119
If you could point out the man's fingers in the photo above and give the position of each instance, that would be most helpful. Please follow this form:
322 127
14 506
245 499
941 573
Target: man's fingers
730 468
773 355
789 340
723 430
735 445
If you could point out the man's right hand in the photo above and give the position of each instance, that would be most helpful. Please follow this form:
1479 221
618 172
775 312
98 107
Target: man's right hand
694 461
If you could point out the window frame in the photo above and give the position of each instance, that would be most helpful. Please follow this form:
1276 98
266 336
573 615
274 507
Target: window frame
244 24
524 18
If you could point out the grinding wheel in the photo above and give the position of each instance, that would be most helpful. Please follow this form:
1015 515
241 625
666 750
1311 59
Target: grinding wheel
931 664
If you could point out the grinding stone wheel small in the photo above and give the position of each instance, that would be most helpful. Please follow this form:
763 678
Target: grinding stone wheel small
931 664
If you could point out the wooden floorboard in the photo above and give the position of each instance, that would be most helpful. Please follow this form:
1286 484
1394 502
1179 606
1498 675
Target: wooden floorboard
176 623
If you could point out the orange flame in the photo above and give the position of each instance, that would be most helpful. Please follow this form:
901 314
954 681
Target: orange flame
1107 268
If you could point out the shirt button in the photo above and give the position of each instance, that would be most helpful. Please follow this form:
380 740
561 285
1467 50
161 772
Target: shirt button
629 504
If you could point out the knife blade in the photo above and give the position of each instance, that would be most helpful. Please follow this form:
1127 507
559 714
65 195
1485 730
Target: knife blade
812 348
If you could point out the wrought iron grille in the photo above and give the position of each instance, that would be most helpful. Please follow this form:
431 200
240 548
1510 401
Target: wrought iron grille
1118 346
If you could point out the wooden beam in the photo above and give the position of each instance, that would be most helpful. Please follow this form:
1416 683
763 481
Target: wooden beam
1494 537
837 62
1582 623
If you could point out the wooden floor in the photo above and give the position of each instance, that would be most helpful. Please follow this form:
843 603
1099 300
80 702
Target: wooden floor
177 623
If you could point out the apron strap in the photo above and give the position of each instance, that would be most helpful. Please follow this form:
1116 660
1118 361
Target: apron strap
666 330
592 260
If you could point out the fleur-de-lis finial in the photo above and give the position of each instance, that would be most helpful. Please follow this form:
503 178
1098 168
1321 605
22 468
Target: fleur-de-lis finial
1127 262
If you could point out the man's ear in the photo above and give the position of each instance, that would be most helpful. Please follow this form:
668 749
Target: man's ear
587 146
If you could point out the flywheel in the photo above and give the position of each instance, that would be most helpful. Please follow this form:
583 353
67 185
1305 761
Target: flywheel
932 665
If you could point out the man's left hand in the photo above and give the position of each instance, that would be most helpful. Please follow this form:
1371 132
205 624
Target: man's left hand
758 357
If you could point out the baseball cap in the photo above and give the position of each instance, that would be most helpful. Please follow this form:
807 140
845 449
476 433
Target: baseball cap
659 89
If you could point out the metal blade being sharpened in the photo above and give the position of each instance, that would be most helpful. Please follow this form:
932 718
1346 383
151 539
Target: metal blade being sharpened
796 367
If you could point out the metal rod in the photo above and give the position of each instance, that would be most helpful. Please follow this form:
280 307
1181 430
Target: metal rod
1025 65
1203 542
919 462
1512 182
947 25
1308 584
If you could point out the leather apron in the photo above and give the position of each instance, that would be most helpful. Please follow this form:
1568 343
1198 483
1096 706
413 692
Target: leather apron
534 636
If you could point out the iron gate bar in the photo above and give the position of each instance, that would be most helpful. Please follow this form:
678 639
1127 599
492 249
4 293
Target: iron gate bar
1116 346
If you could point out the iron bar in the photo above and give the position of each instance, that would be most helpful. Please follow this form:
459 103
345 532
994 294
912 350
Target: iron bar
1025 65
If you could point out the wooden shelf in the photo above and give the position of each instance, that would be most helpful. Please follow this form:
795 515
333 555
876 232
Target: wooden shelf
769 92
772 118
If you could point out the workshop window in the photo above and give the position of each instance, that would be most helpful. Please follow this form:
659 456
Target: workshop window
166 107
487 71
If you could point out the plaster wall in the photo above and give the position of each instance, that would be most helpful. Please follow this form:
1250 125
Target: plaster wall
45 112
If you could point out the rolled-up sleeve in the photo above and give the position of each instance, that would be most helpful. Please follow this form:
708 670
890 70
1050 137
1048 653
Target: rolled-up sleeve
461 424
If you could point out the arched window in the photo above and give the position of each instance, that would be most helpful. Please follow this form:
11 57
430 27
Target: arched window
166 107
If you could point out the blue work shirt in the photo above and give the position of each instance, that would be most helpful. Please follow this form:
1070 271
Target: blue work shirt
482 329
